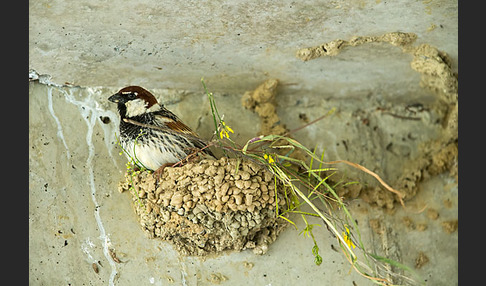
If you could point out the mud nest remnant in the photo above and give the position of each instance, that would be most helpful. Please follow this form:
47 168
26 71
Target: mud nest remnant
262 101
209 206
437 75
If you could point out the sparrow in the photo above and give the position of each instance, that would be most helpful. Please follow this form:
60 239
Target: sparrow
151 135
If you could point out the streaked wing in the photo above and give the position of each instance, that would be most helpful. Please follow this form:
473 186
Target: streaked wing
173 123
166 119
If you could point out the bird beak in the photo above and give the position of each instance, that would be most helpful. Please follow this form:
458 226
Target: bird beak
116 98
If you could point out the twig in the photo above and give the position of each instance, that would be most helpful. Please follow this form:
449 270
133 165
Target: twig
357 166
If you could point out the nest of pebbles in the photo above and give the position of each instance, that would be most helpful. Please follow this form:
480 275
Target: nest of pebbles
209 206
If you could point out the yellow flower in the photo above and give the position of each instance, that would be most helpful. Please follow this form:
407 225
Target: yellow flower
227 127
224 131
347 238
269 158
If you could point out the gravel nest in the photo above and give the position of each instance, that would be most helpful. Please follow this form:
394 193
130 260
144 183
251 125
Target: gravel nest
209 206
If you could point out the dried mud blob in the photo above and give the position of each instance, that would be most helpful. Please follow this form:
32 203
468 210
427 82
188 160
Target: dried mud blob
209 206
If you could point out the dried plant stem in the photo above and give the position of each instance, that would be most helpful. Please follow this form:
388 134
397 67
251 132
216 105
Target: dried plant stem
383 183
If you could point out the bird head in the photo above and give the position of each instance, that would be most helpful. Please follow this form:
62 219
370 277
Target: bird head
134 101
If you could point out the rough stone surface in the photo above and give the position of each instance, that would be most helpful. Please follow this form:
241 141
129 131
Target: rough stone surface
209 206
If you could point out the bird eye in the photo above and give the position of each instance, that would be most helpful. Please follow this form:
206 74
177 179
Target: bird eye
130 95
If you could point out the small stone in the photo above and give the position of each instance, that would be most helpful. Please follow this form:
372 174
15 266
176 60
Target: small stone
238 199
240 184
261 249
237 217
166 185
248 199
184 182
165 216
234 233
148 208
176 199
243 231
244 175
187 198
234 191
167 194
224 188
208 196
232 206
199 169
211 171
188 205
210 222
151 197
199 208
264 188
218 179
268 176
166 202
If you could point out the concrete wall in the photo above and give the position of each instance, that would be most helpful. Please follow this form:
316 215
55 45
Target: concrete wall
80 52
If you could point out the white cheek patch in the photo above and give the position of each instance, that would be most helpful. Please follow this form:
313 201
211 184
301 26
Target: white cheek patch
139 107
136 107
